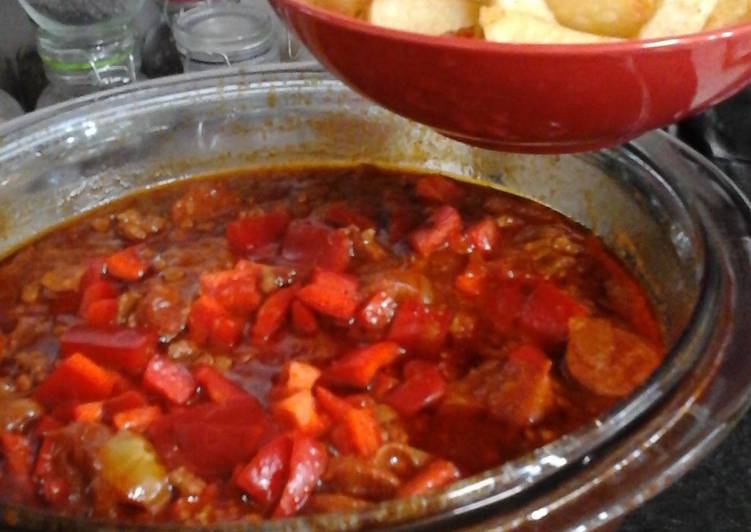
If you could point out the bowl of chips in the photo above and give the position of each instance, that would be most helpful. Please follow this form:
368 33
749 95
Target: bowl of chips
535 76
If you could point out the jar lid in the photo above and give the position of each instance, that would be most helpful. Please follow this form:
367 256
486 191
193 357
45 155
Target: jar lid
223 33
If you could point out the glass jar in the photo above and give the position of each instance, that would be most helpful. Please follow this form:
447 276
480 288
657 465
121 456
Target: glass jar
219 34
9 107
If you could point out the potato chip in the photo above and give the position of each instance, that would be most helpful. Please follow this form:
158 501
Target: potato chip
617 18
515 27
729 13
431 17
678 17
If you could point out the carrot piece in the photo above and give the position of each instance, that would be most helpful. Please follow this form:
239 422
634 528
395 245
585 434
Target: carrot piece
127 264
357 368
75 378
271 315
357 433
89 412
218 387
136 419
330 293
299 412
435 475
438 188
170 379
303 319
295 377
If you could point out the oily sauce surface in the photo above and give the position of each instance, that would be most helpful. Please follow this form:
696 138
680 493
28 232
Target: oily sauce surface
304 340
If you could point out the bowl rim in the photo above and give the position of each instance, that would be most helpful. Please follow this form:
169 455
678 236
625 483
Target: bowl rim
464 44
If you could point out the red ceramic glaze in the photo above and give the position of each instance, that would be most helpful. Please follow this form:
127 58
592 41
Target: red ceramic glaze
528 98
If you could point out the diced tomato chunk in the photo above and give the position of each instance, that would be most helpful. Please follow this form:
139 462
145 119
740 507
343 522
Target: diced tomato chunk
505 303
435 475
218 387
263 479
209 322
18 454
307 464
546 314
472 282
257 235
522 389
298 411
331 293
235 290
484 236
94 273
75 378
357 368
377 312
340 214
419 328
439 189
420 390
121 348
211 439
128 265
442 225
89 412
272 314
312 244
94 292
137 419
169 379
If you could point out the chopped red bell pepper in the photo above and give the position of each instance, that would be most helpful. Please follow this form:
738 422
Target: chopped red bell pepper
52 487
546 314
76 378
357 368
263 479
121 348
209 322
235 290
257 235
439 189
313 244
96 269
419 391
137 419
340 214
330 293
442 225
334 405
272 314
307 464
484 236
92 412
419 328
218 387
170 379
101 313
303 319
472 281
298 411
97 291
435 475
211 439
127 264
377 312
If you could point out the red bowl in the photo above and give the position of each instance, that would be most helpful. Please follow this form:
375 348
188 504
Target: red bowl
527 98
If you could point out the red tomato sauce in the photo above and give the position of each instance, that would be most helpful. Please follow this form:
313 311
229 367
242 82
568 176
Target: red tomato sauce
269 344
